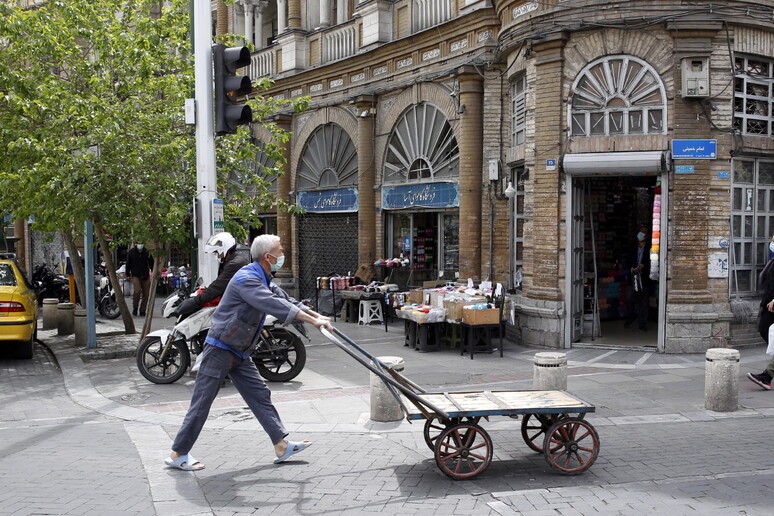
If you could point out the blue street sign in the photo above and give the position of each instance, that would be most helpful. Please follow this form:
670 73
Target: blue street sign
694 149
421 195
683 169
340 200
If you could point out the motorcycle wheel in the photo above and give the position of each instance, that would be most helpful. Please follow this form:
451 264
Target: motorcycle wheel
169 370
281 356
109 308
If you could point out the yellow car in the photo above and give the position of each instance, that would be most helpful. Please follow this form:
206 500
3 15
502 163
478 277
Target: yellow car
18 308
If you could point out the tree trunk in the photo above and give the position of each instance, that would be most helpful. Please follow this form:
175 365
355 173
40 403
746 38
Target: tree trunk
158 263
75 261
126 316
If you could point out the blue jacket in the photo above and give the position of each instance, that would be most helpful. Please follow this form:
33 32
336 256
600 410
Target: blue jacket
249 296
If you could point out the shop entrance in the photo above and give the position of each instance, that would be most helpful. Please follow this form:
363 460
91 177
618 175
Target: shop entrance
430 240
607 308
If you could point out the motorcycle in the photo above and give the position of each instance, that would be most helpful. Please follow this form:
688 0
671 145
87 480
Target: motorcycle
165 355
48 284
106 299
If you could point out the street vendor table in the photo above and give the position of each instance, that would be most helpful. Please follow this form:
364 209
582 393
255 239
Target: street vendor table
423 330
478 338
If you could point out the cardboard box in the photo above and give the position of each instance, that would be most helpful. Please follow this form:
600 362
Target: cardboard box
417 296
453 305
436 298
485 316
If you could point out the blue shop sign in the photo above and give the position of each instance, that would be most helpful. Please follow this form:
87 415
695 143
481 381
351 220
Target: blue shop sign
340 200
694 149
421 195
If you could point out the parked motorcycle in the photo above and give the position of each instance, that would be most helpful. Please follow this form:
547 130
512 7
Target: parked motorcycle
47 283
165 355
105 299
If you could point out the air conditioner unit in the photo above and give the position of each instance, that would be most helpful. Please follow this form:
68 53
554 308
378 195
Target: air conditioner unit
696 79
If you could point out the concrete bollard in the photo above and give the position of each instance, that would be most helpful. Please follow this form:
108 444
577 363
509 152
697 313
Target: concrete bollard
721 380
64 318
49 313
384 406
550 372
79 318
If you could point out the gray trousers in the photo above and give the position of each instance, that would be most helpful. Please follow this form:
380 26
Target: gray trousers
216 364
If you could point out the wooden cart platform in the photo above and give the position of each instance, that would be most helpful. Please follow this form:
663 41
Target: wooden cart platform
553 422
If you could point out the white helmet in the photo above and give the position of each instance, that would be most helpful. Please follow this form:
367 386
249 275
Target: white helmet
220 244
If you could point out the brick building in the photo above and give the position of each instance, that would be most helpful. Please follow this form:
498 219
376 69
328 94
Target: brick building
595 117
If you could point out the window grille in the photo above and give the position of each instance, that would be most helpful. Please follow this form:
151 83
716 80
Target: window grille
752 219
754 96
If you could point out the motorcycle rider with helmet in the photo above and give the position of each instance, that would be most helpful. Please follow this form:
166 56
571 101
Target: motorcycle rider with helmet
223 246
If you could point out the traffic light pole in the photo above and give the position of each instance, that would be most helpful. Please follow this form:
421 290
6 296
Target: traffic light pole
206 178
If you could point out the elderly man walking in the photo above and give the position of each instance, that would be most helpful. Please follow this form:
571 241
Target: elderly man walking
236 324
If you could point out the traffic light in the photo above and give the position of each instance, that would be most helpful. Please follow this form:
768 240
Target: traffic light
228 86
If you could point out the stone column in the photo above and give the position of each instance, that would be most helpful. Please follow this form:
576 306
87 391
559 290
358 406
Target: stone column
325 13
248 11
282 18
366 217
221 18
284 220
471 157
260 41
294 14
341 11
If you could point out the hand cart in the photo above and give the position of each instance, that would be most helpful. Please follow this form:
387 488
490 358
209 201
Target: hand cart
552 424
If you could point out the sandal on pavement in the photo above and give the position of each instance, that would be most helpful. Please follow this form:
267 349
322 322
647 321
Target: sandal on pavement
293 448
184 462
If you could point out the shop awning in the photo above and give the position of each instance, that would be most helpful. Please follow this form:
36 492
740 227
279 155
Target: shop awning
615 163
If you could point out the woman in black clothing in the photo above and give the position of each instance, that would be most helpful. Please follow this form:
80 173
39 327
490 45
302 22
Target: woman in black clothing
766 319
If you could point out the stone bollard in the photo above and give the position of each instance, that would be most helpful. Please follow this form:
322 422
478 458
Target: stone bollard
384 406
721 380
80 326
64 318
550 372
49 313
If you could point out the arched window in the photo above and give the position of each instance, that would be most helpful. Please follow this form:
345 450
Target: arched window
328 161
617 95
422 147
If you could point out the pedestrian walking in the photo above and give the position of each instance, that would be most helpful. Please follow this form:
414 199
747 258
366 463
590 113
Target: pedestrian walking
766 316
236 324
138 266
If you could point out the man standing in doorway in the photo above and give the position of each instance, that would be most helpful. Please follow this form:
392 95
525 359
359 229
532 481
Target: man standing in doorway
638 295
138 266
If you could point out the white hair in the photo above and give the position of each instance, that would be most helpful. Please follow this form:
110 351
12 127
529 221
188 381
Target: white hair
263 244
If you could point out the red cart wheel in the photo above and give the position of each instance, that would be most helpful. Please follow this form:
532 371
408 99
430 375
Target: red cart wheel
571 445
434 427
463 451
534 427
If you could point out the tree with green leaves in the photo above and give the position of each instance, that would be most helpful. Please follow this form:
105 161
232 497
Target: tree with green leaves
92 126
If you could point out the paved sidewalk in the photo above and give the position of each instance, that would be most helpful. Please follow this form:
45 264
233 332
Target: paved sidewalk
103 423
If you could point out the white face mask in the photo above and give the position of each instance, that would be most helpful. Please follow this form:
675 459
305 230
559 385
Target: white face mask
640 236
280 262
771 247
140 246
